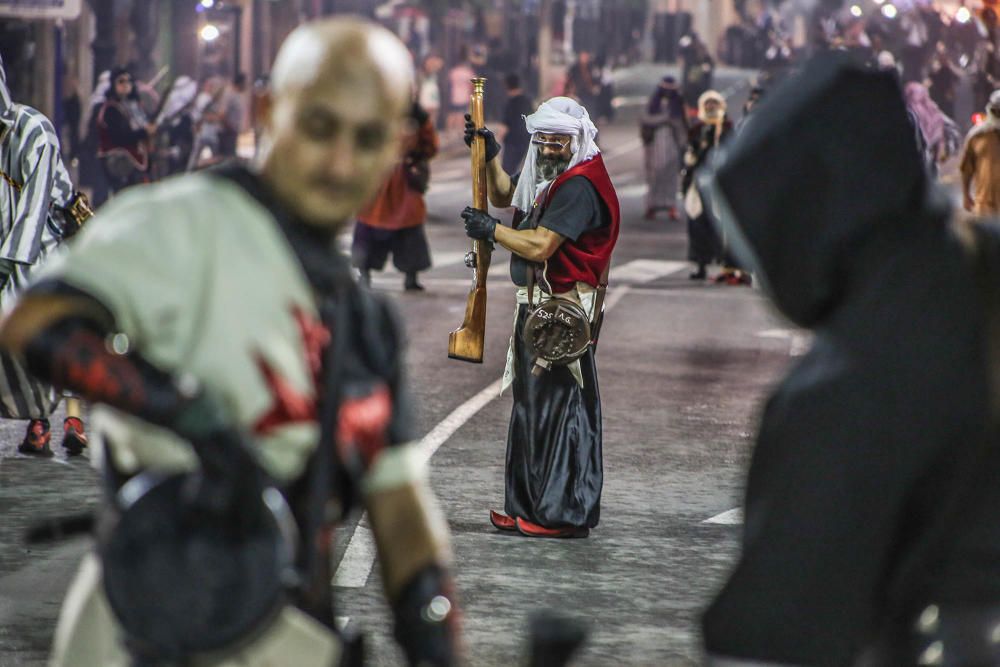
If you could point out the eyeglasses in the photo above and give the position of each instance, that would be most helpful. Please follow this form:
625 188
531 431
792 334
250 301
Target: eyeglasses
123 79
557 145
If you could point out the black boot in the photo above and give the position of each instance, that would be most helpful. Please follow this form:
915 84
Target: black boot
700 274
411 284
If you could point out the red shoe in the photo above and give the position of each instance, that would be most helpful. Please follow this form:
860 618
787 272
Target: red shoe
672 214
534 530
738 278
724 277
36 440
74 437
501 521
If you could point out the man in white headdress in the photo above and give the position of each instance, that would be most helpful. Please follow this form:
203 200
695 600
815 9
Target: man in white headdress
36 195
561 241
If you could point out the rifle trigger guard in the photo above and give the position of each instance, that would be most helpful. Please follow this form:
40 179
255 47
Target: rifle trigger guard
470 259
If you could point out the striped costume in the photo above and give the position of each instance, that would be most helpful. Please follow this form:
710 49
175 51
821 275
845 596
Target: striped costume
33 181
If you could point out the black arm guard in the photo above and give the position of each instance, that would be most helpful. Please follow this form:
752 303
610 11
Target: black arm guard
426 619
78 354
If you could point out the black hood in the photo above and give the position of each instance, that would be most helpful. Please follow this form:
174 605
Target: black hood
826 165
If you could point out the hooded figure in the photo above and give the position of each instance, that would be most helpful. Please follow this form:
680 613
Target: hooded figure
855 522
34 189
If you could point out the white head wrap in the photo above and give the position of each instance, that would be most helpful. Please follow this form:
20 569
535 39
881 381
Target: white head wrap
560 115
180 96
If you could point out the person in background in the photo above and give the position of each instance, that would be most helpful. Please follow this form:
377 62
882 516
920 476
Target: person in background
36 204
704 245
942 138
516 138
123 133
756 93
943 79
429 87
583 81
393 223
231 116
697 70
459 91
980 163
664 131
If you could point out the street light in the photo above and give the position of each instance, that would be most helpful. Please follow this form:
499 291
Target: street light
209 33
889 11
856 11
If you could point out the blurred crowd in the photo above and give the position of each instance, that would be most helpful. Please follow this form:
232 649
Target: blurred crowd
137 131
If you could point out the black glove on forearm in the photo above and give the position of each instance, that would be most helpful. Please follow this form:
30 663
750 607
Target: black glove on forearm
492 145
427 625
72 354
479 224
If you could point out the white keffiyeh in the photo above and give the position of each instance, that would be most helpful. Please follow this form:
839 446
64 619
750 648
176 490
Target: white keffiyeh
560 115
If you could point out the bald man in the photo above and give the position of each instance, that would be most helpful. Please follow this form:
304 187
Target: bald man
224 294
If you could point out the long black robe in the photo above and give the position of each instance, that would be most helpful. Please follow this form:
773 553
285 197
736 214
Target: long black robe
864 443
554 457
554 470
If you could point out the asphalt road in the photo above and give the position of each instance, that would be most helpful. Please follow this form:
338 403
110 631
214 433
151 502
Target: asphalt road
683 367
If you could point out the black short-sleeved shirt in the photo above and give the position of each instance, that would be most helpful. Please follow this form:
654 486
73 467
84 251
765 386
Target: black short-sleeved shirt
575 208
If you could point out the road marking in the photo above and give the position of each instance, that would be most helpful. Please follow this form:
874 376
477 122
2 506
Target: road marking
454 421
733 517
356 564
775 333
645 270
626 148
799 342
635 190
446 188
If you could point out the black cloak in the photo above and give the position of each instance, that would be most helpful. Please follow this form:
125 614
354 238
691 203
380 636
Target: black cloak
860 445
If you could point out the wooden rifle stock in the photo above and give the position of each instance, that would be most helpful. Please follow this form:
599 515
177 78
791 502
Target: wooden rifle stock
467 342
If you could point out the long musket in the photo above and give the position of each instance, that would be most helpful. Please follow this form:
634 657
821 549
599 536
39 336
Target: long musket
466 343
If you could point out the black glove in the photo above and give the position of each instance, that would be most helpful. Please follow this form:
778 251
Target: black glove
479 224
230 479
492 145
428 625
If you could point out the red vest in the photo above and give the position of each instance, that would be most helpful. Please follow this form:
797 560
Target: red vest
585 259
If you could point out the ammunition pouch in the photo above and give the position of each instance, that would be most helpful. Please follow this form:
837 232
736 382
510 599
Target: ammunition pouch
557 332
